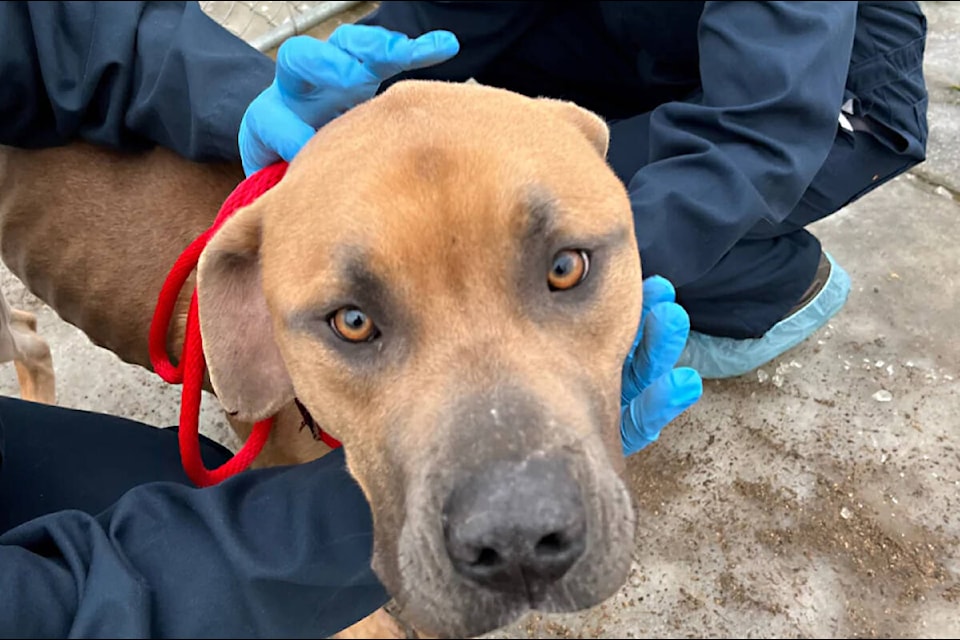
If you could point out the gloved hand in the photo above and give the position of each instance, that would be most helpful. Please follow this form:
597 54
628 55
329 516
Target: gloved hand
653 391
318 80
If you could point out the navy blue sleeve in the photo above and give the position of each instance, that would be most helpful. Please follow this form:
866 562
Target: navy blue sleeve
484 29
273 553
747 148
127 75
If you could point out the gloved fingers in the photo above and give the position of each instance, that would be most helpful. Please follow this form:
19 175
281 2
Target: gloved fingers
305 64
642 420
263 141
256 156
376 48
290 135
386 53
656 289
433 48
664 335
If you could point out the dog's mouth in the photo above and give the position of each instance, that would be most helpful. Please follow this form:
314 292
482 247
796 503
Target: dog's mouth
307 421
515 538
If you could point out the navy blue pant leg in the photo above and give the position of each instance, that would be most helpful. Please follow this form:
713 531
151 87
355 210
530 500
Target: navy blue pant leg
762 277
56 459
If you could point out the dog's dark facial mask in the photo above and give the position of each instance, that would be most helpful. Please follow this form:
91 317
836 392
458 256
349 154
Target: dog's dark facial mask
451 286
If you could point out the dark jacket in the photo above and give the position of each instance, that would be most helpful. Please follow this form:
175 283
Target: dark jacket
271 553
126 75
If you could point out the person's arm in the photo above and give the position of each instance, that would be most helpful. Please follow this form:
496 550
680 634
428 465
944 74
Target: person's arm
125 75
280 553
746 149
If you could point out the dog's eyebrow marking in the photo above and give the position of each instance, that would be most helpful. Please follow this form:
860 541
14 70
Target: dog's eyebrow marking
541 212
542 223
359 279
355 284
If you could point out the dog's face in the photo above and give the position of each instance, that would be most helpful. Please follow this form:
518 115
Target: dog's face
447 278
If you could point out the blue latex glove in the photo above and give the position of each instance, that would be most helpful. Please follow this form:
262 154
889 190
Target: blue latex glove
318 80
653 391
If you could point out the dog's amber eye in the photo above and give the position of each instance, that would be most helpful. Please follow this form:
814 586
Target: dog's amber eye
569 268
353 325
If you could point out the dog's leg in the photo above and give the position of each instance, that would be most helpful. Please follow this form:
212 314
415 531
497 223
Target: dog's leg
20 342
35 368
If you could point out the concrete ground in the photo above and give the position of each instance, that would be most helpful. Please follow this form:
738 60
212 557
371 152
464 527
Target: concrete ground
818 497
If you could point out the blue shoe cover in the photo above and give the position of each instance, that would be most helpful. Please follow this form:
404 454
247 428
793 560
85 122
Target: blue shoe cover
718 357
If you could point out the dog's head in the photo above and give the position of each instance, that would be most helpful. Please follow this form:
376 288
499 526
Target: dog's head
447 277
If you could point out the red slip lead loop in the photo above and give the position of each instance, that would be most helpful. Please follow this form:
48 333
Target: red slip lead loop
192 365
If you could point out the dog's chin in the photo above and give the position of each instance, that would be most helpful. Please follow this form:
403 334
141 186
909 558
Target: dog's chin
469 624
471 611
436 600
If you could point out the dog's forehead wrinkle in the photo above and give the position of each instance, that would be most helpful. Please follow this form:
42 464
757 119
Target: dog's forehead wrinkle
452 272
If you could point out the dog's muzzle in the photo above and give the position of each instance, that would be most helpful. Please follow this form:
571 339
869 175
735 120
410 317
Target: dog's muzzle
516 527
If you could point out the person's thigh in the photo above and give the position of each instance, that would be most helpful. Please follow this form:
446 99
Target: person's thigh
857 164
764 274
56 459
752 285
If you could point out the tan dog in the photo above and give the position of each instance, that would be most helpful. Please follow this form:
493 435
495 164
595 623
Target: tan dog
446 277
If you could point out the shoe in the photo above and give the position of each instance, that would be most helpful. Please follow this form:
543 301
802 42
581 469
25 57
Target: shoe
716 357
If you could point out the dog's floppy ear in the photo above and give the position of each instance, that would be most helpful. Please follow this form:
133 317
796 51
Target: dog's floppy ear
244 362
590 124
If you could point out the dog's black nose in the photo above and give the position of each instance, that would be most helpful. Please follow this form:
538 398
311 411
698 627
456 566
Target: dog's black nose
516 527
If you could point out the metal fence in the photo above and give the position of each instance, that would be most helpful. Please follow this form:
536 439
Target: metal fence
266 24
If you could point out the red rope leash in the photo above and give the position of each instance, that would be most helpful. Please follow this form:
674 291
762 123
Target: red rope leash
192 365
